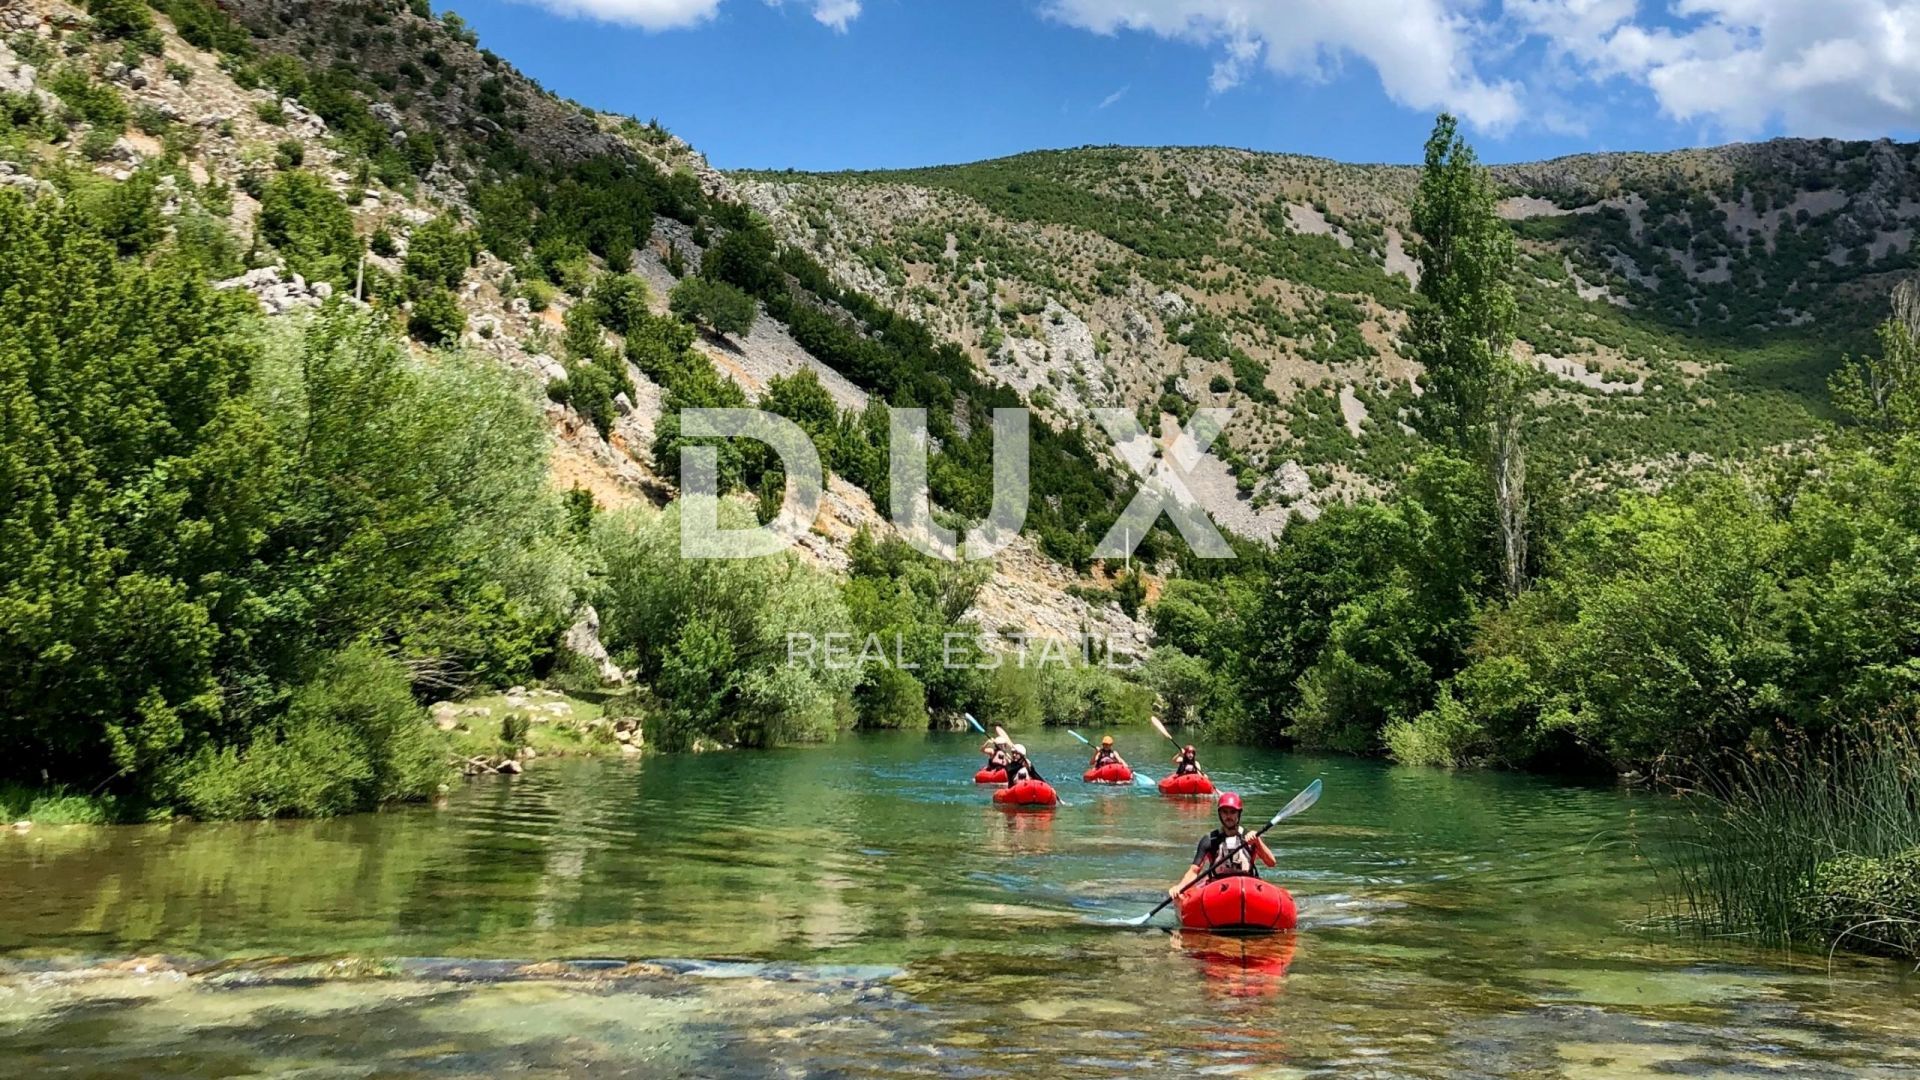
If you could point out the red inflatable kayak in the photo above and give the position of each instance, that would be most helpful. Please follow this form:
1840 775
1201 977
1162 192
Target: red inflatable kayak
990 776
1027 793
1111 773
1237 905
1192 783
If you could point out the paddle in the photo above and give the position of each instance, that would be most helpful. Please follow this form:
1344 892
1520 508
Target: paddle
1165 734
1077 735
1300 803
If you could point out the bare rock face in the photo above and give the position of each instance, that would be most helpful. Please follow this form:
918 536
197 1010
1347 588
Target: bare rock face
583 640
277 297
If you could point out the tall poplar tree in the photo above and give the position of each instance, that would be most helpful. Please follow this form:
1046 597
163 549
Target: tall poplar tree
1462 331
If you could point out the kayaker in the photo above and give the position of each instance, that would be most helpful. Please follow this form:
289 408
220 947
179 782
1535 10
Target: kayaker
1185 762
1018 767
996 750
1105 755
1229 848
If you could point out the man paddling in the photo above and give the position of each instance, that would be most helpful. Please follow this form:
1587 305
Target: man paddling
1185 762
1018 767
996 750
1227 851
1106 755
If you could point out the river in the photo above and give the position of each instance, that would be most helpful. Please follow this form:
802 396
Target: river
859 909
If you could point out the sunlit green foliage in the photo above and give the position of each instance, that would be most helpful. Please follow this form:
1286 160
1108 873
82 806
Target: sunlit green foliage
310 227
710 637
198 512
715 305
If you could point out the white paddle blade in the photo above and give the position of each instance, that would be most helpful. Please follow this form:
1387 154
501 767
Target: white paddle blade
1161 728
1300 802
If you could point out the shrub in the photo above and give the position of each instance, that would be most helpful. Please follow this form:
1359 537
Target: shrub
745 258
711 635
55 807
1445 735
289 154
1867 904
97 104
120 18
20 111
98 145
715 305
513 731
309 226
439 252
436 318
353 737
892 698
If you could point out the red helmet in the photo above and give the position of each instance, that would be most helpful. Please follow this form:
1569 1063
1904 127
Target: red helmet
1229 801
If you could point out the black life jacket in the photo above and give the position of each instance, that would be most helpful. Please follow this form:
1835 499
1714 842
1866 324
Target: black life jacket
1233 854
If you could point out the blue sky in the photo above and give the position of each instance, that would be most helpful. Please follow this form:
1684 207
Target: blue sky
833 84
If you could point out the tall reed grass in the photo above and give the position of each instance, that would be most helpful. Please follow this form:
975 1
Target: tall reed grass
1760 826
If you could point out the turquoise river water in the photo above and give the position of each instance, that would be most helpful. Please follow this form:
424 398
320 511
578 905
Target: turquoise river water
859 909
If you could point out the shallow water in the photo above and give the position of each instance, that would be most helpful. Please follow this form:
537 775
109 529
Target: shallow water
860 910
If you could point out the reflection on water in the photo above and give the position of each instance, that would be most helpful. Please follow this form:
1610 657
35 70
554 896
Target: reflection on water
864 910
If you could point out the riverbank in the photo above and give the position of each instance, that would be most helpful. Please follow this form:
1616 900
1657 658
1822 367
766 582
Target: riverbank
482 735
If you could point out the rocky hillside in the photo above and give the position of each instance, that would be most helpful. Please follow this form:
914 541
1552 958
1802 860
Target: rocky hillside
412 128
1680 307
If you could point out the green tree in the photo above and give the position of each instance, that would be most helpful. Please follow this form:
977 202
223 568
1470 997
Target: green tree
715 305
1881 394
1461 331
746 258
713 635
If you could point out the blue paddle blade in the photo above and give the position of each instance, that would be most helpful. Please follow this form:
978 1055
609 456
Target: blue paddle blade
1077 735
1145 782
975 723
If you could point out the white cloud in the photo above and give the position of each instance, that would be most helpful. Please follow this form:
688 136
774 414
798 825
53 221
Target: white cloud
646 14
1421 49
680 14
1825 67
1114 98
1830 67
836 13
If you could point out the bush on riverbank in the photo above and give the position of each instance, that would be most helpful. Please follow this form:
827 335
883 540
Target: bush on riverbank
351 739
1816 842
58 806
710 637
1868 904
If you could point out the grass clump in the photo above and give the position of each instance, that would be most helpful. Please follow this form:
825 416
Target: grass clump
56 806
1815 844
